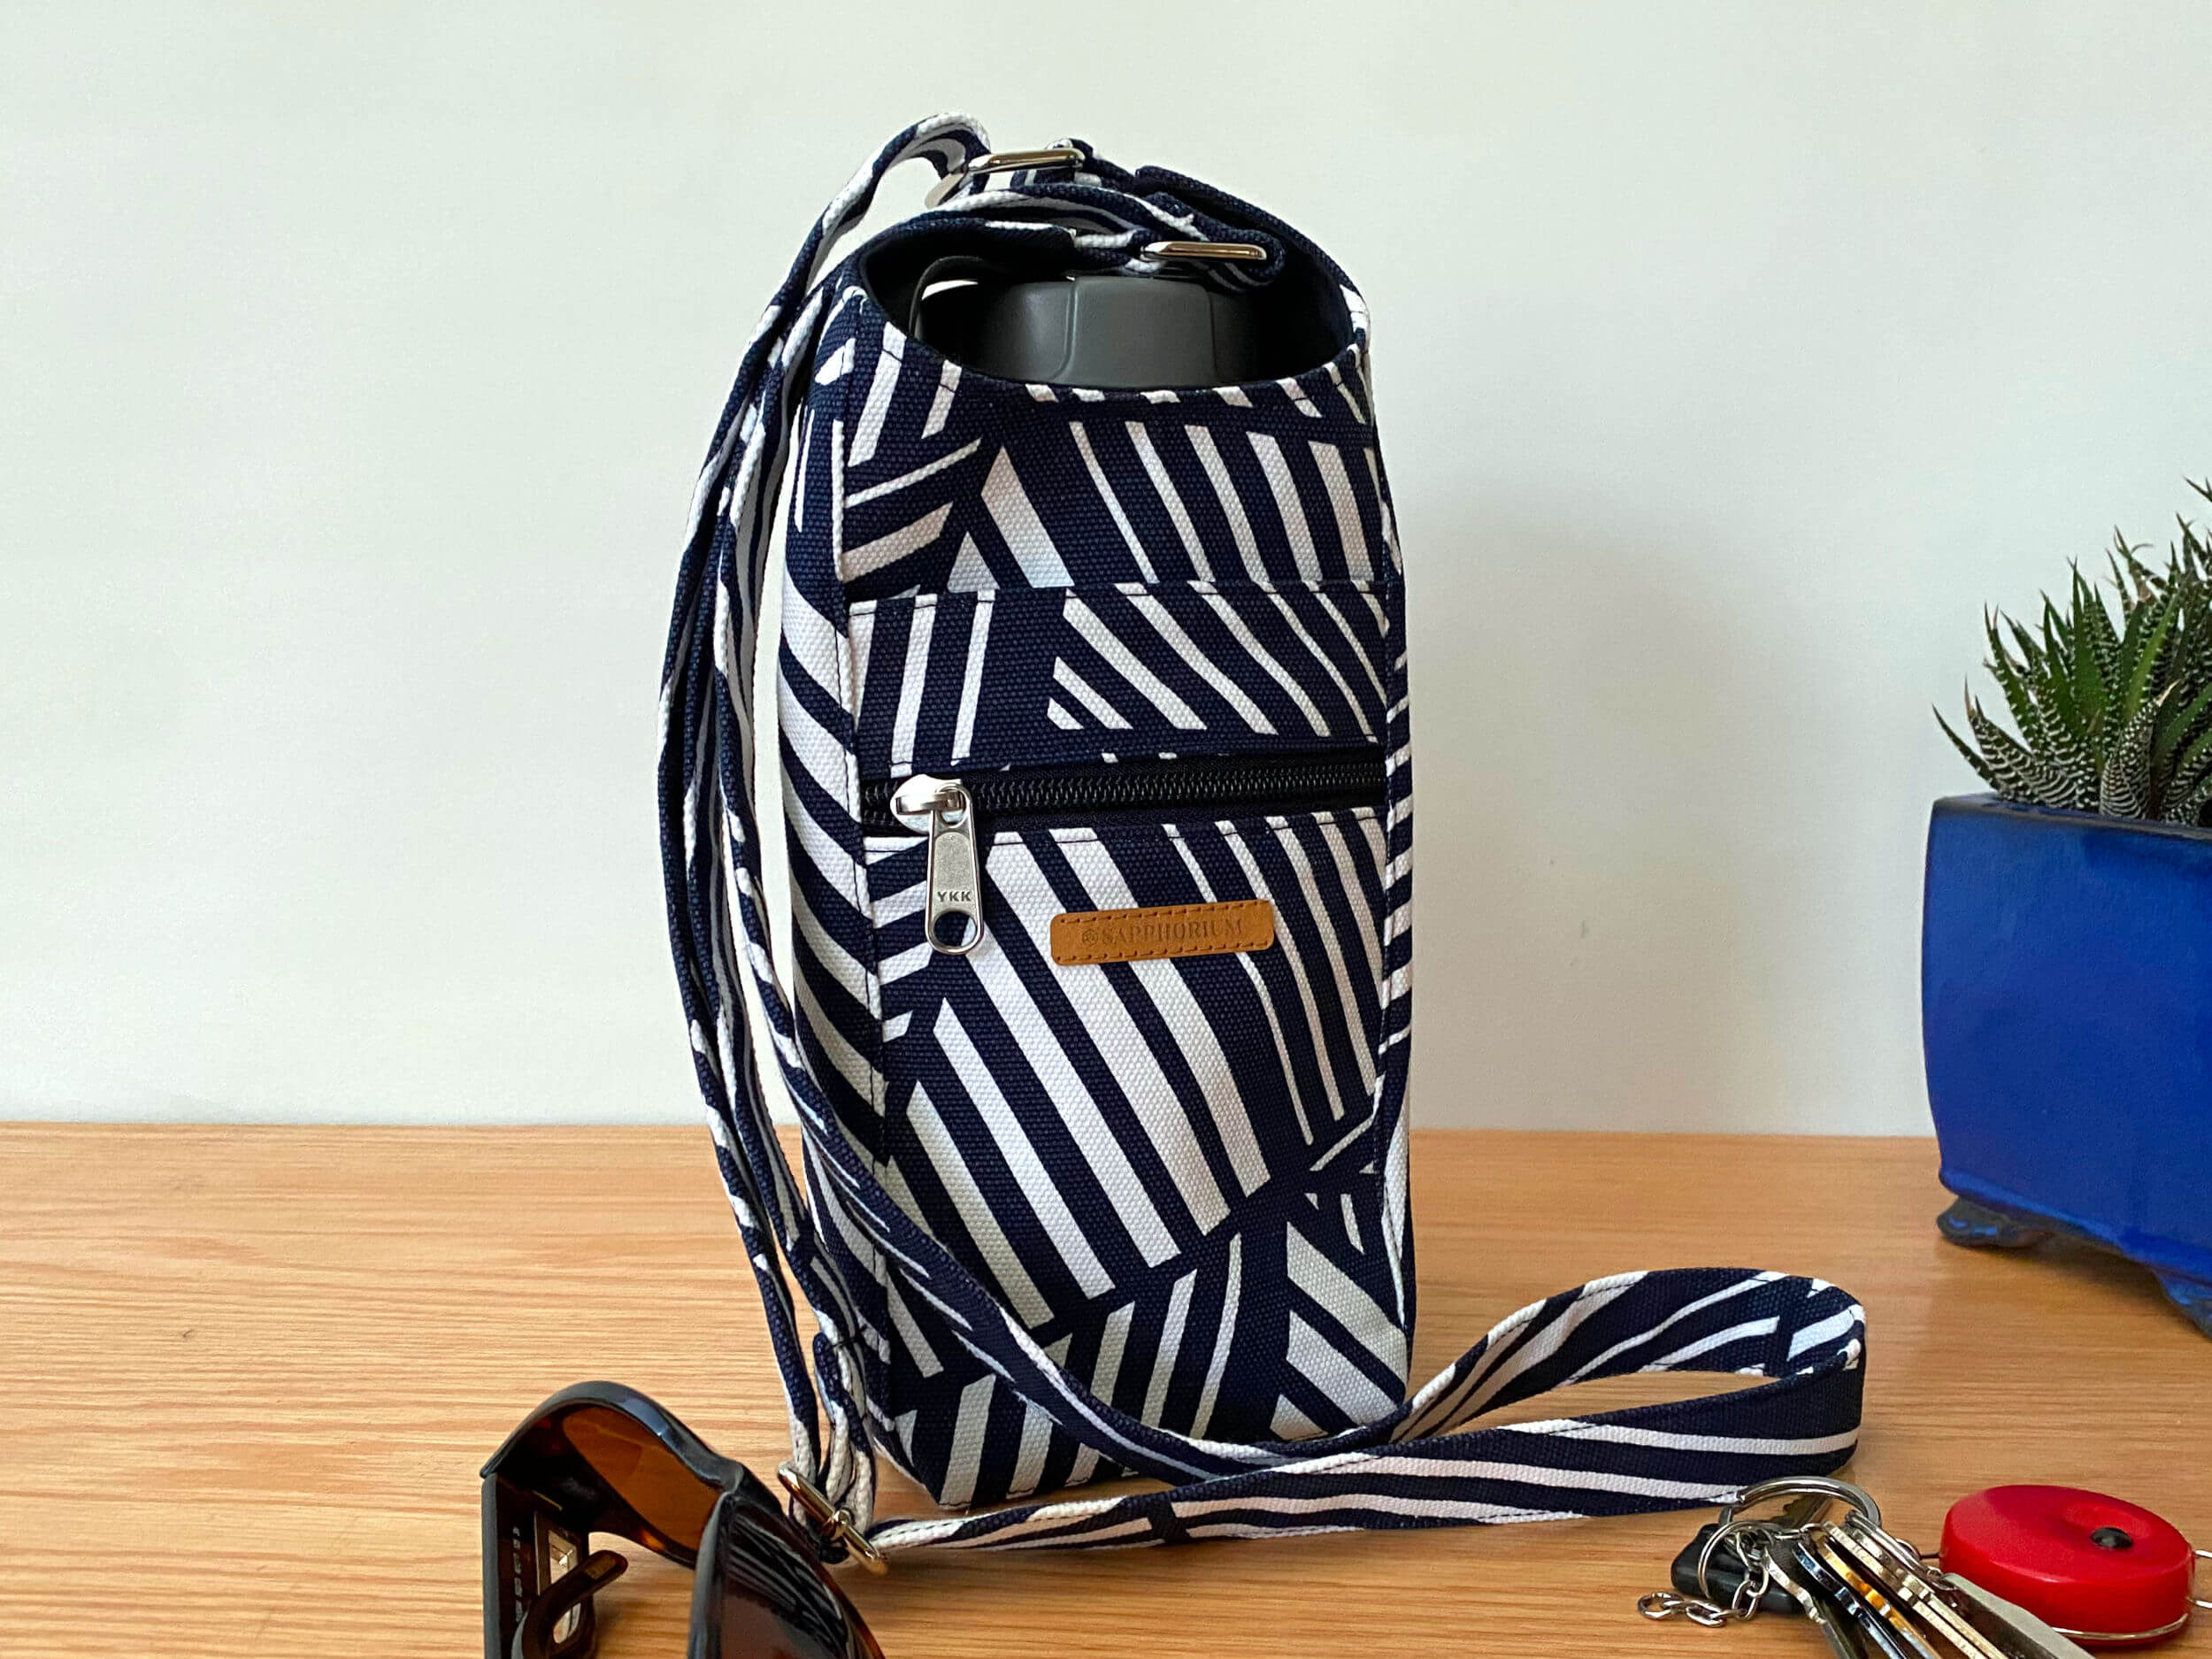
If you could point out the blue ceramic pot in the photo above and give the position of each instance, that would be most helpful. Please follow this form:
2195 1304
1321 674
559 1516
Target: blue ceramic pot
2066 1011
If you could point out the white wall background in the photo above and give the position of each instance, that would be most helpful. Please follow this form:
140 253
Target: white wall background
357 360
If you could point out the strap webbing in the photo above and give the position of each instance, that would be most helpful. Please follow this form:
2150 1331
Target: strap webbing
1418 1466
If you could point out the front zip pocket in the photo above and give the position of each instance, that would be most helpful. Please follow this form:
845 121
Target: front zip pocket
949 811
1105 1140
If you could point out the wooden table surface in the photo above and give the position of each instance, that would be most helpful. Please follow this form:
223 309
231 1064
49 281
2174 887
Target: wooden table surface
250 1374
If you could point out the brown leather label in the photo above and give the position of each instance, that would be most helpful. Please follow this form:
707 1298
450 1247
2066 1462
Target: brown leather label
1161 929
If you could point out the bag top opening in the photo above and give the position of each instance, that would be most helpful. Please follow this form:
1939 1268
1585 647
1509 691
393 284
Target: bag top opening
997 304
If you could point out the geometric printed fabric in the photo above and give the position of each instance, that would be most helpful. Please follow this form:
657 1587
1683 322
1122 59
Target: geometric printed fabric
1187 1178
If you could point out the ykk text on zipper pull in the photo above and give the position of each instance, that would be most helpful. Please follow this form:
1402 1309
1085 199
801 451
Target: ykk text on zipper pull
941 808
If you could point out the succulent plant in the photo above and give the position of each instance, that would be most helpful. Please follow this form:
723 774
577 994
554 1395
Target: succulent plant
2110 717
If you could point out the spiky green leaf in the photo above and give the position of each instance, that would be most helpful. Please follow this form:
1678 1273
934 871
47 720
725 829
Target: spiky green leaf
2124 785
2175 725
2190 808
2018 775
2196 758
1965 749
2012 679
2096 657
2129 573
2051 683
2143 652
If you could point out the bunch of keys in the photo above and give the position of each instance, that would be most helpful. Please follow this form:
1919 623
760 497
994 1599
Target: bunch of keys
2066 1555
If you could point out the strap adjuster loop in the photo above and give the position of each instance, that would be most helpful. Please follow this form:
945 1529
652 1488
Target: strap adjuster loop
834 1522
1000 161
1205 250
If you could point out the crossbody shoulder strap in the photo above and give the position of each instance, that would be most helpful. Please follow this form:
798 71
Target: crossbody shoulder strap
1422 1464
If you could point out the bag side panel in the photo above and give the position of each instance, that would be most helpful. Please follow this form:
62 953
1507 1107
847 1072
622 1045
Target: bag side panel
987 575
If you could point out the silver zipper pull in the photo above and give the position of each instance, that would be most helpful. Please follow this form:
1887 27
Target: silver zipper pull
940 808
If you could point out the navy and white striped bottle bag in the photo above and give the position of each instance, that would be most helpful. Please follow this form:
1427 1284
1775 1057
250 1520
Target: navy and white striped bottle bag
1070 1210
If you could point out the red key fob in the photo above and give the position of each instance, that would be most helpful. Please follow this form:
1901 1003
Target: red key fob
2106 1573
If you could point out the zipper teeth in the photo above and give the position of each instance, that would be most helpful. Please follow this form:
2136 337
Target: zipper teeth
1289 783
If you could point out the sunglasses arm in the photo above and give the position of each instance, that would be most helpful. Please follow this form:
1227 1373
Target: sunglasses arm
534 1640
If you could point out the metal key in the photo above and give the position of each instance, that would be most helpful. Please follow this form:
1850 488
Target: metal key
1982 1624
1872 1585
1843 1640
1880 1638
1964 1618
1893 1572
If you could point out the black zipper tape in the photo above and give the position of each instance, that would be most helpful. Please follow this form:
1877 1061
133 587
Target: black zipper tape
1208 785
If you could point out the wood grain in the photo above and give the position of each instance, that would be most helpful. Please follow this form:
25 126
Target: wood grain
252 1374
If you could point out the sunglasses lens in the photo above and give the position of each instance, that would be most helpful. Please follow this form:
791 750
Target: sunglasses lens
640 1470
768 1599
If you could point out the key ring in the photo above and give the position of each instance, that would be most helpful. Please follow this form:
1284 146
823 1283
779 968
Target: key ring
1730 1528
1733 1524
1805 1487
1753 1540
